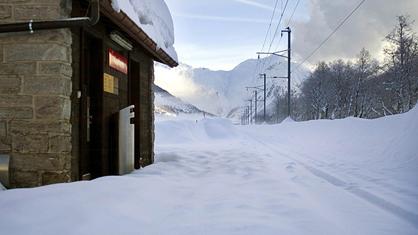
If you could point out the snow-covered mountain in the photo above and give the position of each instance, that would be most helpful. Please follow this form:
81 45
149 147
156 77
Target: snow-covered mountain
168 105
224 92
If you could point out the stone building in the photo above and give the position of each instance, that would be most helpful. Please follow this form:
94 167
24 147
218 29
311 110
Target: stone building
63 81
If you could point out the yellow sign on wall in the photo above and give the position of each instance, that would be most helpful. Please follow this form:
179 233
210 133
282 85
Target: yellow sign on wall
110 84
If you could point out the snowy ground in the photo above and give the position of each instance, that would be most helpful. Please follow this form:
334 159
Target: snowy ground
347 176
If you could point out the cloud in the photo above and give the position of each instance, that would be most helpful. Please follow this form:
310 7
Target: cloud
366 28
215 58
255 4
223 18
178 81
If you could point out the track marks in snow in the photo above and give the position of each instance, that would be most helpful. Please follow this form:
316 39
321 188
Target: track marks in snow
354 172
370 197
290 167
377 201
204 163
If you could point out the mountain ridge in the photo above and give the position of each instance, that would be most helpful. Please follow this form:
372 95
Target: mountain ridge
221 92
169 105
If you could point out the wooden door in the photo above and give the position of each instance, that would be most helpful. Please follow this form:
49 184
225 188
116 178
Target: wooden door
91 107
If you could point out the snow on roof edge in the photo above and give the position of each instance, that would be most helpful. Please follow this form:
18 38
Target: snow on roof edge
154 18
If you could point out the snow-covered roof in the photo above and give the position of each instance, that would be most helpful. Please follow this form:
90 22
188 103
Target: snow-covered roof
154 18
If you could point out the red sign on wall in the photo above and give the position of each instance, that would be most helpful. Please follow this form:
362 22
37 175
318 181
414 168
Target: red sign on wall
118 61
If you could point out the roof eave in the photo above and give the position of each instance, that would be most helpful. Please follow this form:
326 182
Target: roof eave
133 30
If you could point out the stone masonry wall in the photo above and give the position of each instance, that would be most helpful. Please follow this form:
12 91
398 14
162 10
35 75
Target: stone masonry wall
35 89
146 112
152 113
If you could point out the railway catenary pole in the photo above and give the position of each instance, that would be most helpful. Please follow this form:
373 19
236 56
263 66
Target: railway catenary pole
265 88
256 88
248 115
255 106
289 64
251 110
289 60
265 94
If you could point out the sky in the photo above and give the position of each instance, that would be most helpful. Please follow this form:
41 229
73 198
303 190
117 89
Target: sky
219 34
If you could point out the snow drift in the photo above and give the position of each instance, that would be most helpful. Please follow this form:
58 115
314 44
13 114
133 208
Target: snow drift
189 132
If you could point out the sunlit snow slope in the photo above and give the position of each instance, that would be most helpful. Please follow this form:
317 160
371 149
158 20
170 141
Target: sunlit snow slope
220 92
168 106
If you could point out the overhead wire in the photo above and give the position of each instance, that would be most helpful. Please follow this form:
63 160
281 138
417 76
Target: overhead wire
276 30
275 34
271 22
320 45
267 33
256 70
293 13
278 25
288 22
330 35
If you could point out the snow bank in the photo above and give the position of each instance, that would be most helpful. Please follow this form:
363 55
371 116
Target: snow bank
287 120
152 16
2 187
388 139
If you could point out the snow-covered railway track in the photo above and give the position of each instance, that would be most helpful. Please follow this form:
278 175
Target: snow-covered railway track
370 197
344 172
